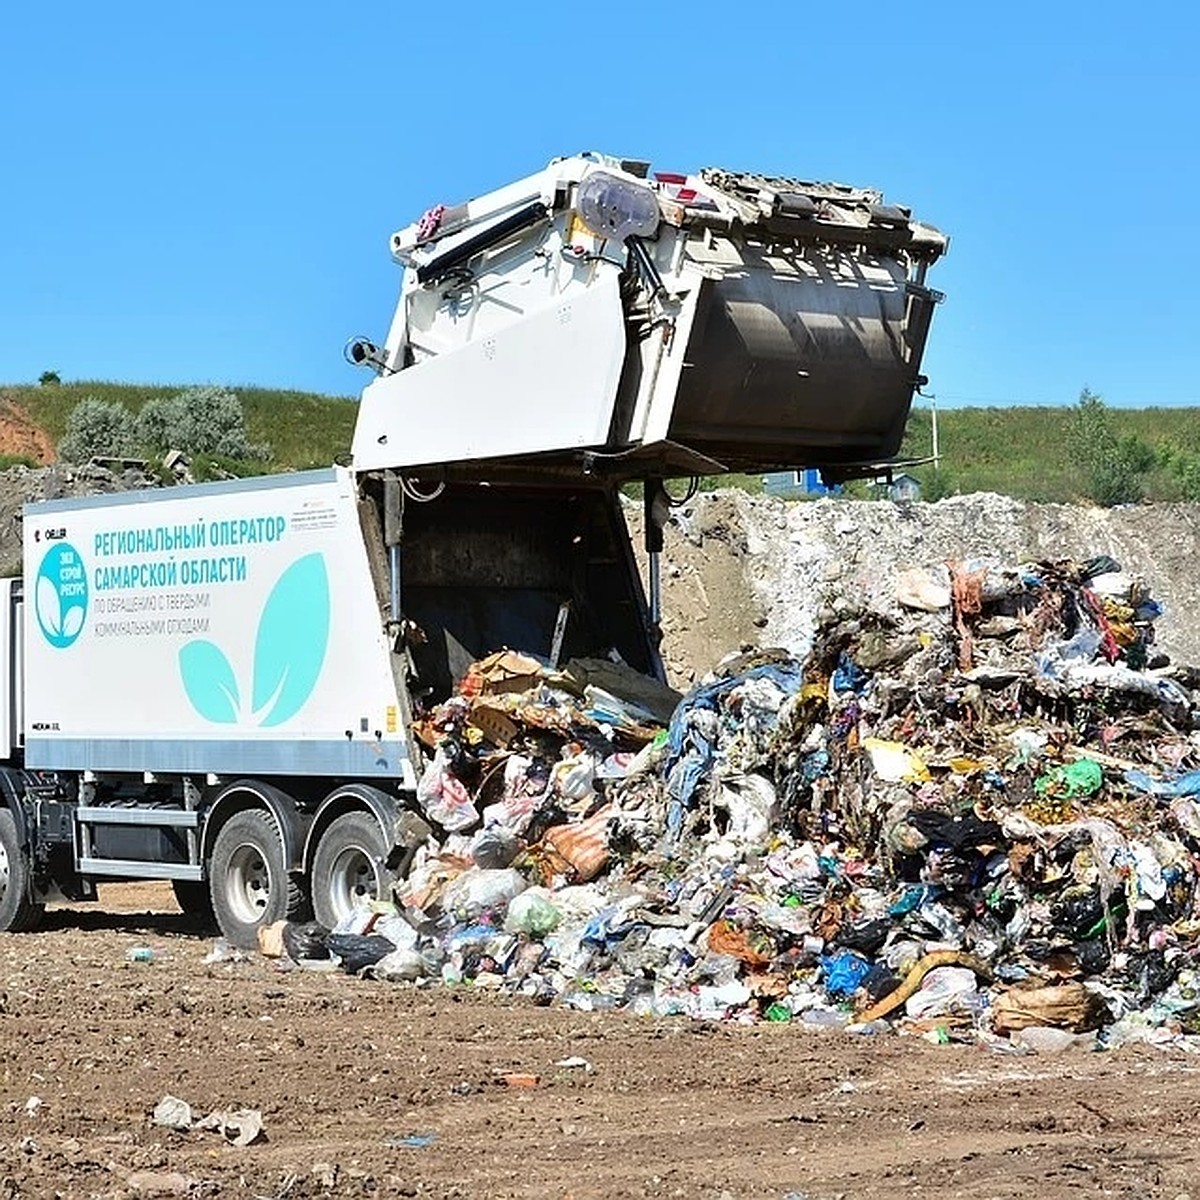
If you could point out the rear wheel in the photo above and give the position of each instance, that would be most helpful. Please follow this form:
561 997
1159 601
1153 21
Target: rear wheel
349 867
18 911
248 880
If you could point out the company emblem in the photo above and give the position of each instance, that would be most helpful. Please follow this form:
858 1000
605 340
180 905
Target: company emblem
289 651
61 595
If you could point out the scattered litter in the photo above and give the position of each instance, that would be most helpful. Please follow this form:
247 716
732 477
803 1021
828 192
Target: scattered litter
411 1141
172 1113
222 952
270 940
520 1079
161 1183
325 1175
241 1126
575 1063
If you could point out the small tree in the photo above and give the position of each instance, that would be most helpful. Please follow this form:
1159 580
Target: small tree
1111 468
1184 466
97 428
49 379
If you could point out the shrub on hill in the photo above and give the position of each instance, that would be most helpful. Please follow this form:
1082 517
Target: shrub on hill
1112 467
97 428
204 420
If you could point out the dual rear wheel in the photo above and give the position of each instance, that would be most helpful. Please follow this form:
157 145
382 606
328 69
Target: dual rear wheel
250 887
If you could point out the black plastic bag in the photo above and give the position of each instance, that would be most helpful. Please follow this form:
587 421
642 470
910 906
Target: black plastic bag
305 941
357 950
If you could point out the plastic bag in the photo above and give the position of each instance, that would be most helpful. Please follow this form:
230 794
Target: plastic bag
751 803
397 931
400 966
573 776
477 890
584 845
844 972
1080 778
444 798
923 589
894 762
307 941
494 847
532 912
945 990
357 951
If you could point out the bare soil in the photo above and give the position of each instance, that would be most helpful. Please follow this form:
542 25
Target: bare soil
369 1089
20 436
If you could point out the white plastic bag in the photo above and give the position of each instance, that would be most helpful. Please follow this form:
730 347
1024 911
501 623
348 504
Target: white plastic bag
444 797
945 990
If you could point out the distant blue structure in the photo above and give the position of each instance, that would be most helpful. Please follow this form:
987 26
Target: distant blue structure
903 488
792 485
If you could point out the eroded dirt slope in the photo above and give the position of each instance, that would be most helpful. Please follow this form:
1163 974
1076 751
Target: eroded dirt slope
744 569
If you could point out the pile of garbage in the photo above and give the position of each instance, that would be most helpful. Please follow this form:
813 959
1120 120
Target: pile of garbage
975 814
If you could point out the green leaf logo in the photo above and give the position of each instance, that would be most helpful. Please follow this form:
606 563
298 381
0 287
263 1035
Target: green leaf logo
292 636
289 652
209 682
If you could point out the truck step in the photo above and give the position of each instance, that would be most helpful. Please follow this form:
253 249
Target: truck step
126 868
178 818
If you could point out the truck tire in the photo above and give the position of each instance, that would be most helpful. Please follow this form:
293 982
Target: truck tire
348 867
18 911
195 901
248 880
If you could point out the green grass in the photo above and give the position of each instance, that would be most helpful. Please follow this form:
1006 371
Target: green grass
1025 452
303 429
1021 452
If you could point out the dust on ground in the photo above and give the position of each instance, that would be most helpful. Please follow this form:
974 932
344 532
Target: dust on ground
369 1089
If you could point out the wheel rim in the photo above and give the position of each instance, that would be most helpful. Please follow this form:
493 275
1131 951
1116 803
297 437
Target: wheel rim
248 883
353 880
4 872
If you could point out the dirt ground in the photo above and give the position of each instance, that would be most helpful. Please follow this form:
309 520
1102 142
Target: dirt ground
369 1089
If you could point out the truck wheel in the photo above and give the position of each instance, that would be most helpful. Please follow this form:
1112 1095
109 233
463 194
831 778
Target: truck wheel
194 900
348 868
248 879
17 911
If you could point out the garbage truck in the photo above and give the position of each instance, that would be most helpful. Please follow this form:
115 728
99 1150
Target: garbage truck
216 684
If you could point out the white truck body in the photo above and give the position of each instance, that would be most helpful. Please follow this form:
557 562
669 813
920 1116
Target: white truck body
227 627
215 685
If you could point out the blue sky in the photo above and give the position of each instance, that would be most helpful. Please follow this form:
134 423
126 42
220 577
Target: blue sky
203 193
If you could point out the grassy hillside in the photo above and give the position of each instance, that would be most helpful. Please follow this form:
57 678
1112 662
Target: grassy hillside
1022 452
303 429
1025 452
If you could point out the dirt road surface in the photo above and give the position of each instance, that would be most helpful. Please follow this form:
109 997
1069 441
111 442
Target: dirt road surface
369 1089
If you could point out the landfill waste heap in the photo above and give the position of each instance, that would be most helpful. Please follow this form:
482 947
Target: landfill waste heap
973 815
